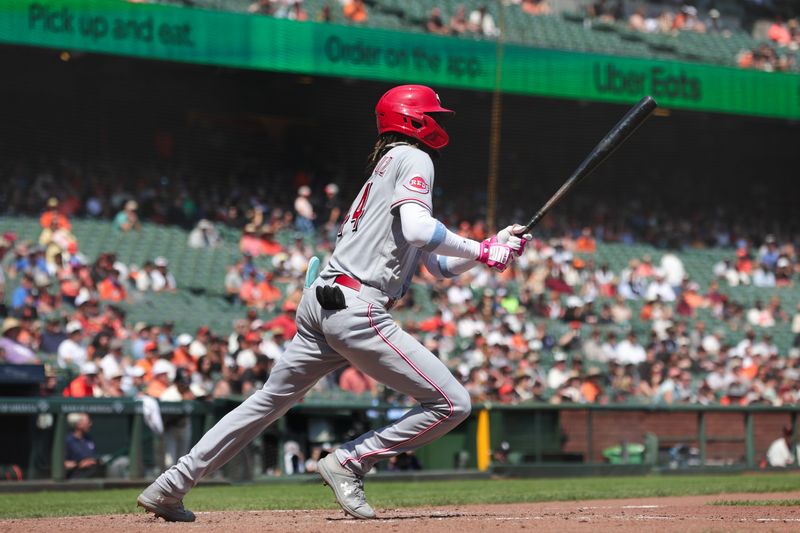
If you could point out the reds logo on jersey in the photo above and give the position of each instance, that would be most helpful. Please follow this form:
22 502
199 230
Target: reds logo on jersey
417 184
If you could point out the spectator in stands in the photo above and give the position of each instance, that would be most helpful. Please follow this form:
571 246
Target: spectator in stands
604 11
458 22
591 388
142 277
304 211
482 22
114 362
149 359
605 280
674 271
694 299
24 294
52 336
133 382
16 351
687 20
357 382
796 326
112 384
127 219
435 23
204 235
84 385
332 211
783 273
80 458
630 350
269 242
161 378
782 452
297 11
52 217
285 321
794 32
355 11
248 291
638 20
536 7
181 357
763 276
55 239
586 243
669 390
261 7
233 282
253 378
268 293
659 289
738 390
621 314
100 345
71 352
161 279
250 242
558 374
325 14
111 289
758 315
768 253
779 33
200 345
247 354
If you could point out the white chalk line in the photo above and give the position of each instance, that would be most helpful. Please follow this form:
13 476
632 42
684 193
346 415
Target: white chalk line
641 506
483 518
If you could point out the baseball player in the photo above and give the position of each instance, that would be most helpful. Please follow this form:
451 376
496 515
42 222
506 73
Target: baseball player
343 317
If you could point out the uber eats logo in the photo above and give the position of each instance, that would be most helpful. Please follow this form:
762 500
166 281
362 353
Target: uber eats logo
609 79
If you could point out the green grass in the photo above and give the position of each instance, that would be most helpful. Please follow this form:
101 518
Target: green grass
399 494
758 503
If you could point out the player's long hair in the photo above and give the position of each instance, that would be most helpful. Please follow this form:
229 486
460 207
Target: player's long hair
384 143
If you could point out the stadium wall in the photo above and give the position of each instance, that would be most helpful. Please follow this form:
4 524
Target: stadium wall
539 434
725 432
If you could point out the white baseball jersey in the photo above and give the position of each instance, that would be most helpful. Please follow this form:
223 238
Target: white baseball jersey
371 246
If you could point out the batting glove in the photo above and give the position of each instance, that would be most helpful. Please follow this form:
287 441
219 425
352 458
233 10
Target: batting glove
513 237
495 255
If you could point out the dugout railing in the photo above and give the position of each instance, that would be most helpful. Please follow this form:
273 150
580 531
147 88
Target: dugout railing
563 439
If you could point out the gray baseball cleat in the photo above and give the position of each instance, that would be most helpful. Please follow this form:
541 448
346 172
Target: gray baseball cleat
162 505
348 488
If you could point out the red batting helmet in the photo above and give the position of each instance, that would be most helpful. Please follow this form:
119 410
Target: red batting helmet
407 109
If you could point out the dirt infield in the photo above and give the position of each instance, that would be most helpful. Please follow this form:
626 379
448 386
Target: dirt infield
690 513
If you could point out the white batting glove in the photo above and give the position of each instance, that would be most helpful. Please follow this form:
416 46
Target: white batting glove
514 238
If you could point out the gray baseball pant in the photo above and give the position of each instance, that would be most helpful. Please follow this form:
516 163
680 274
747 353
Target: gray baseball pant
364 335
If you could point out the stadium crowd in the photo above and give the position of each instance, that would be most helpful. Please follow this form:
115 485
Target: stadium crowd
559 326
777 52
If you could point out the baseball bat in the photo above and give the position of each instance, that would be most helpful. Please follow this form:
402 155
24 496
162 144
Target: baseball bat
613 139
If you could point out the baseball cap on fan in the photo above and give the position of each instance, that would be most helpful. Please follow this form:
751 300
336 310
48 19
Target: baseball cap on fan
162 366
89 369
